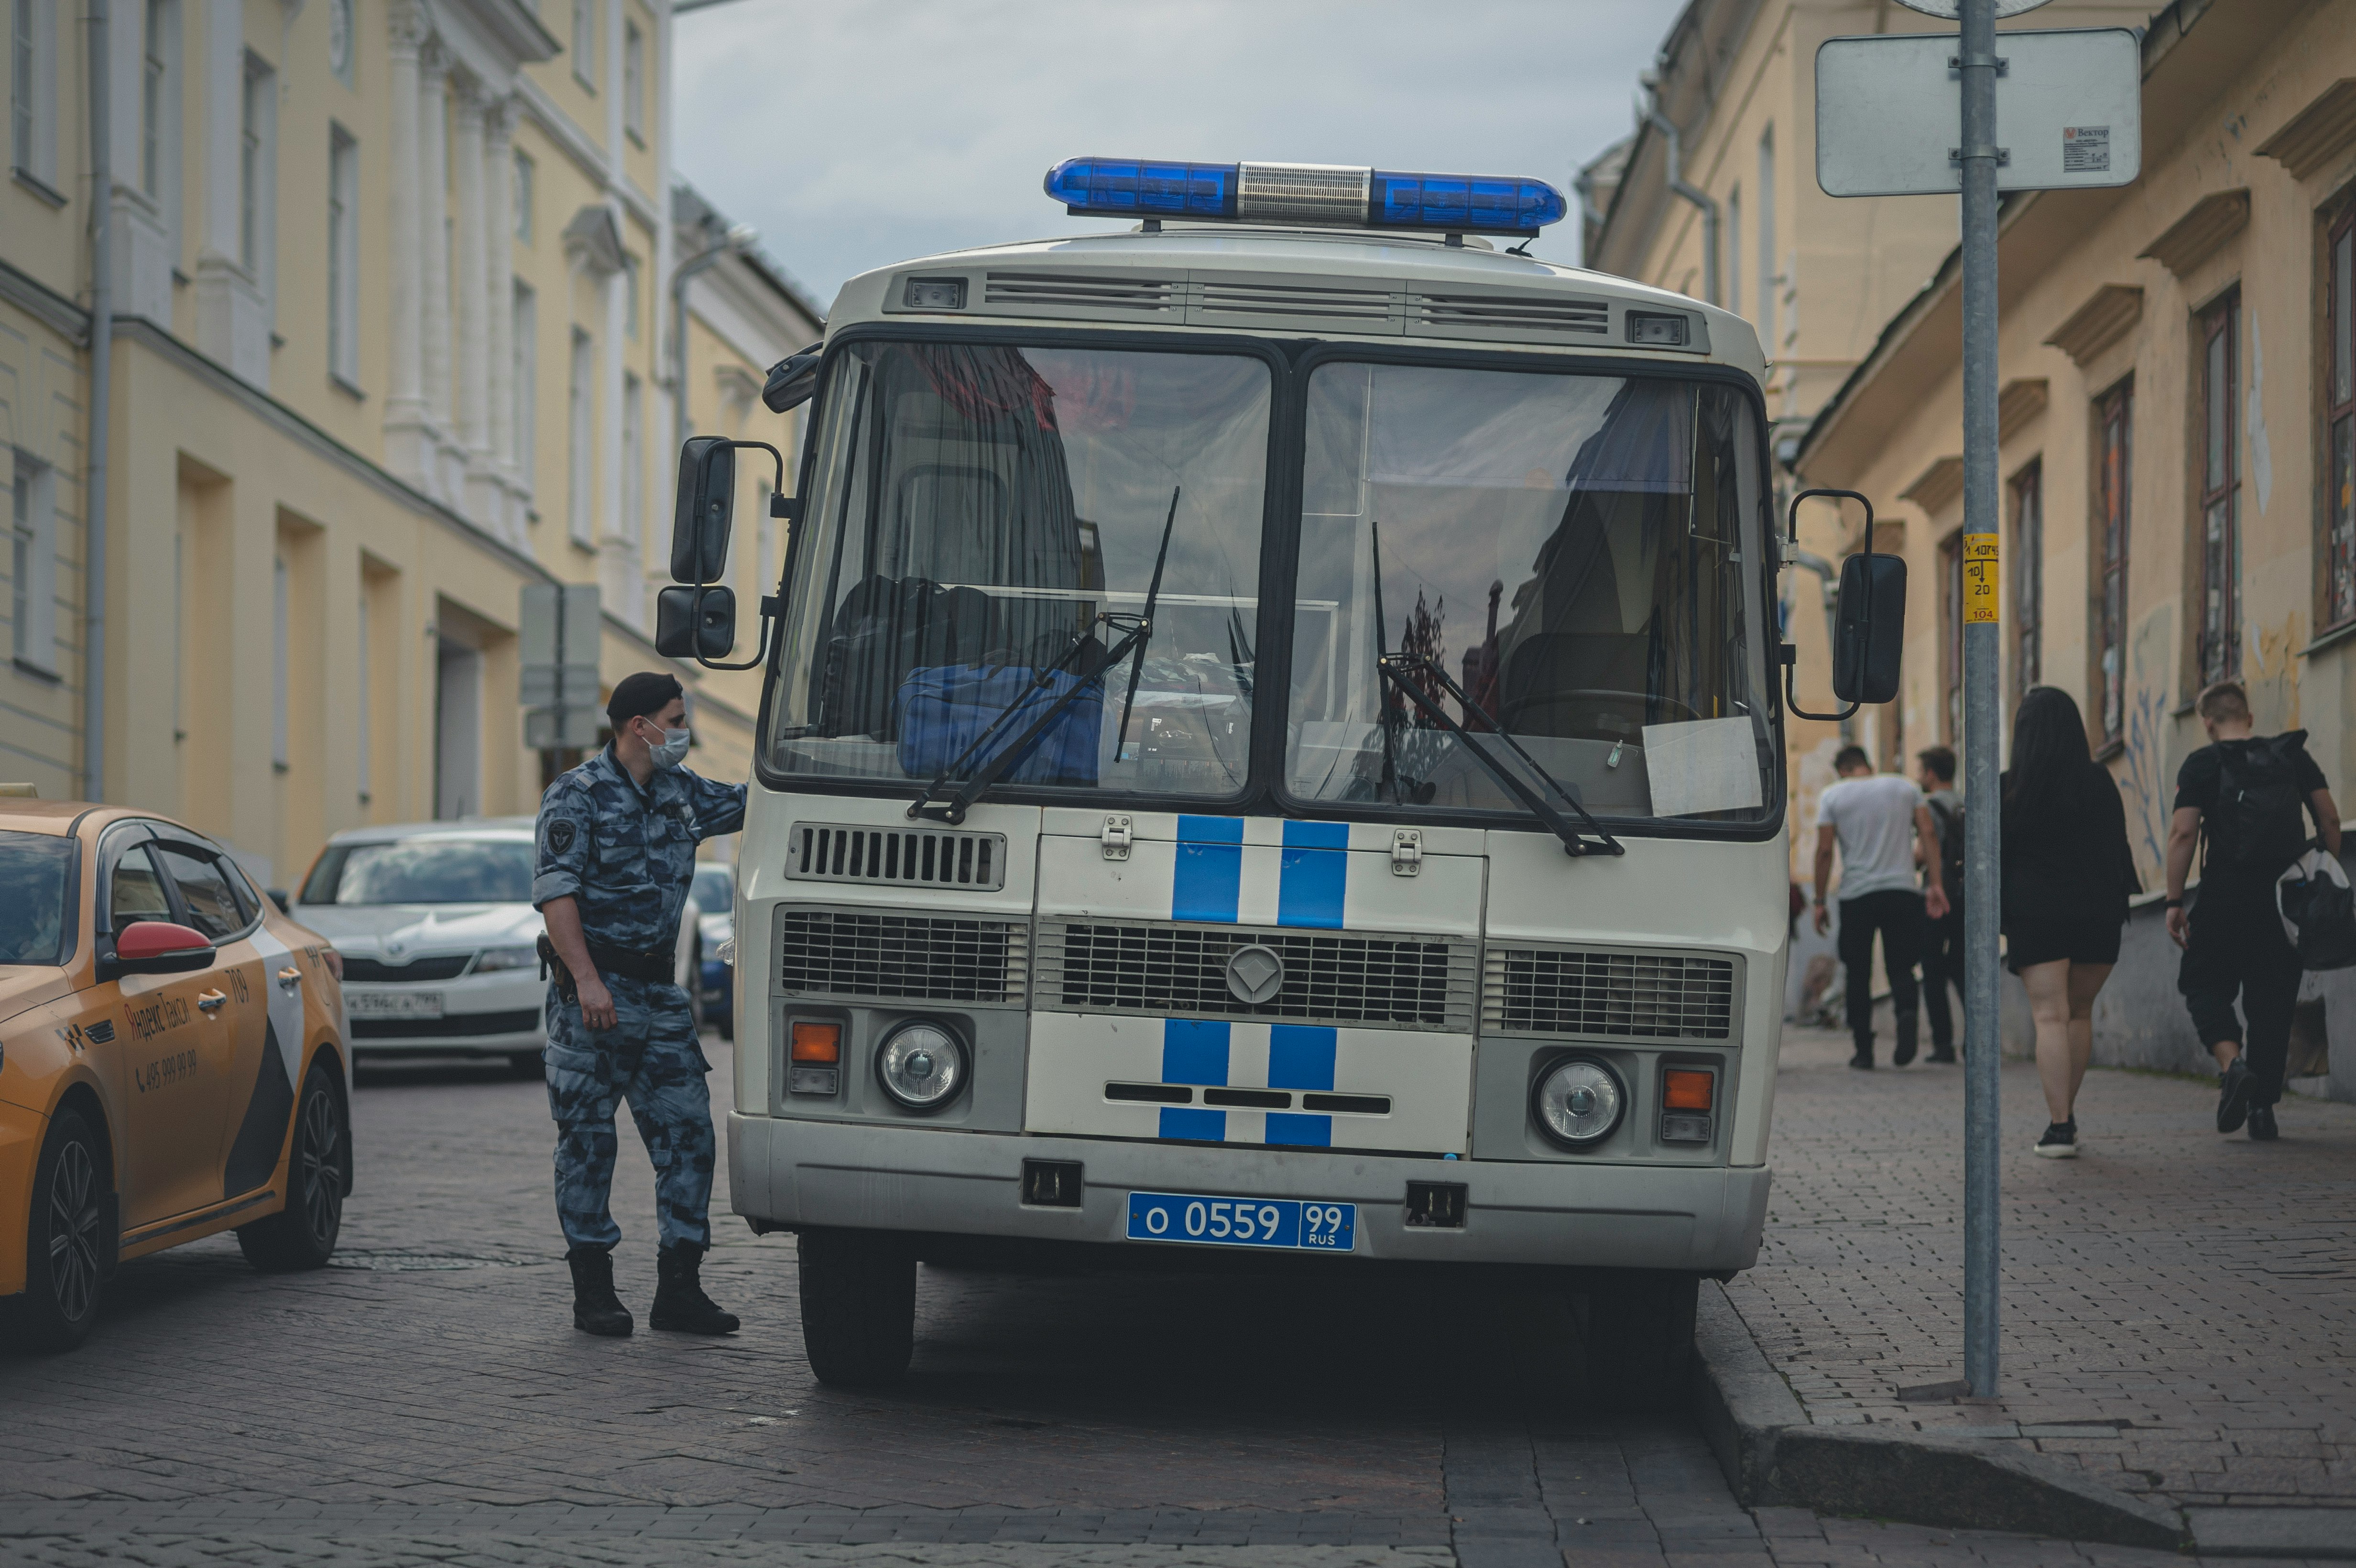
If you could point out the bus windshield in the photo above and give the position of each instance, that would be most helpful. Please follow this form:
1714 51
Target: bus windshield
985 524
1570 551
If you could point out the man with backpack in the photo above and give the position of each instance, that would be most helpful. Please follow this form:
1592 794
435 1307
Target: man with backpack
2249 797
1943 939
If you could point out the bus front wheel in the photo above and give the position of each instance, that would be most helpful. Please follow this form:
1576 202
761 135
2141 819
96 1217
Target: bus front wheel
1640 1329
859 1307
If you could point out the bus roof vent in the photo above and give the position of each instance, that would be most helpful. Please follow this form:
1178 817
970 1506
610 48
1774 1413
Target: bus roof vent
1500 313
895 856
1227 299
1607 995
1085 296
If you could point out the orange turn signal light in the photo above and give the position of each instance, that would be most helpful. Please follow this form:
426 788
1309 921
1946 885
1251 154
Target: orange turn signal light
1686 1089
819 1042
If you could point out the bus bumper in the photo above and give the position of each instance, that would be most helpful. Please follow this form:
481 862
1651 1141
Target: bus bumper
787 1174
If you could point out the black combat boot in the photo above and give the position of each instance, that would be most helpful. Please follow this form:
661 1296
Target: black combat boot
595 1308
679 1301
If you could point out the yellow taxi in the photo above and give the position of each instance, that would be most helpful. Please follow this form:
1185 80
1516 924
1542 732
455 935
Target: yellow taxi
171 1061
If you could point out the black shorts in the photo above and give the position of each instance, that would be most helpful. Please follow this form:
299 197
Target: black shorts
2092 940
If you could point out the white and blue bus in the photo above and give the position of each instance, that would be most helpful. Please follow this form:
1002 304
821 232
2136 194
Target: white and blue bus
1270 745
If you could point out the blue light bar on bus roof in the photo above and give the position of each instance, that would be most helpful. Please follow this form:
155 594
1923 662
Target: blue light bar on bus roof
1323 194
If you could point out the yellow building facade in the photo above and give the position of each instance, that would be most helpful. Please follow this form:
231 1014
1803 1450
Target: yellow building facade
2178 441
391 337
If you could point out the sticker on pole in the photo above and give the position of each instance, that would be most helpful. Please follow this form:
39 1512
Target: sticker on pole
1979 578
2069 112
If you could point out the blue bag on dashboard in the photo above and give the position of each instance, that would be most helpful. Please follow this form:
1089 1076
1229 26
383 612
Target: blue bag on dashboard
944 709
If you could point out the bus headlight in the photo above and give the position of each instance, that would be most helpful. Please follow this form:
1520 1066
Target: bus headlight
921 1064
1579 1101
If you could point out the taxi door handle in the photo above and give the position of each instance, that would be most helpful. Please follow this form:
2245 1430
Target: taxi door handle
290 978
212 1001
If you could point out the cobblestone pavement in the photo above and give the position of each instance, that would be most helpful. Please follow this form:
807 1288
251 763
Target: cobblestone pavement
2178 1310
425 1400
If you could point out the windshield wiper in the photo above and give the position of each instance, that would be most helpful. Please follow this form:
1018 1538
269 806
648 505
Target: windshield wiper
1396 668
1139 629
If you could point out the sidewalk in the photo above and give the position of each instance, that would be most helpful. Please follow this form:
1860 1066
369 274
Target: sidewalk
2179 1307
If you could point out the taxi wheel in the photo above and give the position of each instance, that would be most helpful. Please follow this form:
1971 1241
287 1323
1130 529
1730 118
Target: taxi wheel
859 1307
66 1243
303 1234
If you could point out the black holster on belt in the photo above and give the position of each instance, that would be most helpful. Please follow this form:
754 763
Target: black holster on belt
551 965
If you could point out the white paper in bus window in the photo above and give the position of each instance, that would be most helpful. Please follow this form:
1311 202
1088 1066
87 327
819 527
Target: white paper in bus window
1702 764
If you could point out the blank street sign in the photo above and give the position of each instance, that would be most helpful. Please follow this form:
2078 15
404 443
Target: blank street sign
2069 112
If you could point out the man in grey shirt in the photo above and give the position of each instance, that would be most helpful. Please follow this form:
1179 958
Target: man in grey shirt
1883 830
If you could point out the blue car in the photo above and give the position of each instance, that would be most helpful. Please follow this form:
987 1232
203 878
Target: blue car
715 892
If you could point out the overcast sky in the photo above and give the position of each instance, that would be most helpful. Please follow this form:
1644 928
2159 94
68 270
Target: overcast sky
854 133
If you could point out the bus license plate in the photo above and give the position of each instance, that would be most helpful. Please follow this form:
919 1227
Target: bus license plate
1286 1223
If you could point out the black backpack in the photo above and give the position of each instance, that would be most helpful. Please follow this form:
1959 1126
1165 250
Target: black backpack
2260 823
1951 847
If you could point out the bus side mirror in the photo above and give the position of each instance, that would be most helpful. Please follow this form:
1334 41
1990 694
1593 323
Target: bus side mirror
707 503
1869 628
791 381
695 622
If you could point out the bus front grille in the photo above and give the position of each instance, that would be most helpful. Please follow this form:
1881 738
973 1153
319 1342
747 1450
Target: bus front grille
838 952
1616 994
1398 982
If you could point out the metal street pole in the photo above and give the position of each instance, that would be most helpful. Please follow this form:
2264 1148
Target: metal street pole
1982 1130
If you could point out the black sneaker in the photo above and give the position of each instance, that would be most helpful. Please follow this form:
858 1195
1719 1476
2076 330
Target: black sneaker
1903 1054
2262 1125
1863 1059
2060 1140
2233 1095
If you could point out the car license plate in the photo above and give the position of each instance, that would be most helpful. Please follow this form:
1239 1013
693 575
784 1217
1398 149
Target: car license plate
1285 1224
393 1004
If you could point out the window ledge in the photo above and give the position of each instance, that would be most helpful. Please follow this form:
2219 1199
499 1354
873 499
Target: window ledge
39 186
2110 748
2331 638
2184 709
26 667
346 387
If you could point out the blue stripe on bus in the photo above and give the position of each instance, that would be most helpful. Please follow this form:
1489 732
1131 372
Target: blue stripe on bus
1209 881
1312 874
1194 1050
1204 1126
1299 1056
1289 1127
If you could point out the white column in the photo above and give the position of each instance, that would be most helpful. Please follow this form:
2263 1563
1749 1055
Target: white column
471 340
432 228
404 402
496 261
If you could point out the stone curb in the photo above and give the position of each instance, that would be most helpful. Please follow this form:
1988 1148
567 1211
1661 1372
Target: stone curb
1773 1457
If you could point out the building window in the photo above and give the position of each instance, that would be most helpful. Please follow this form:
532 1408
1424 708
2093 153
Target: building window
1734 250
22 70
1764 200
279 608
634 82
1951 632
33 564
2221 534
2340 411
2114 466
634 457
579 404
523 382
32 102
343 257
523 172
340 39
256 172
584 43
151 104
2028 579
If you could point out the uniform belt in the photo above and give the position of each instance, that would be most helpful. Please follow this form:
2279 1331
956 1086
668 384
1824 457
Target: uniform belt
659 968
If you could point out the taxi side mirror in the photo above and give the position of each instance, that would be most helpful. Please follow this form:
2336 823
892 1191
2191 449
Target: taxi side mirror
158 947
706 506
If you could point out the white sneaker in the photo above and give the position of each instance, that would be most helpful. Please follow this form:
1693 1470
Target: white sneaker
2059 1141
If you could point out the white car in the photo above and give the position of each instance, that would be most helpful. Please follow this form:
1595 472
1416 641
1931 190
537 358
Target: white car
436 928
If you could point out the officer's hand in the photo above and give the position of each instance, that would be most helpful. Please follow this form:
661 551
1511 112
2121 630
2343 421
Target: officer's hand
596 1003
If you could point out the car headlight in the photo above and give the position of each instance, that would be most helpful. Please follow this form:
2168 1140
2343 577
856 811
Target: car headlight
1579 1101
921 1065
496 958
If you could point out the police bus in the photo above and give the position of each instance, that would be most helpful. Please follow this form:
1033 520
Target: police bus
1270 745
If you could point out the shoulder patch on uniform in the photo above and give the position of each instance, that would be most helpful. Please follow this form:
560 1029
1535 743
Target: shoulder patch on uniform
559 836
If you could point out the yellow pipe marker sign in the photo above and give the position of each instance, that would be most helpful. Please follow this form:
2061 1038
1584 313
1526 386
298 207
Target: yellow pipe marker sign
1979 578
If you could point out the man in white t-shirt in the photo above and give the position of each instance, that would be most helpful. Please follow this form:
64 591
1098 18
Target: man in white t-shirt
1885 831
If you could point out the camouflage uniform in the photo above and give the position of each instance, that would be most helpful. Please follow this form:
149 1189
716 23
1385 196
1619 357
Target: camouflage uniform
625 856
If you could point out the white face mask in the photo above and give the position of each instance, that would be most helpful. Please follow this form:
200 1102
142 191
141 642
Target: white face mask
673 749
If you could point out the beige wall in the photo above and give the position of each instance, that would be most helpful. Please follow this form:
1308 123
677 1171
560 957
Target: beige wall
2212 101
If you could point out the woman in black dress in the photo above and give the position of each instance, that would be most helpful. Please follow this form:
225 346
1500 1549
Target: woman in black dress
2068 873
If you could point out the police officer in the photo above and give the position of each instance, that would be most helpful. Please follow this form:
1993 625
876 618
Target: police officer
618 839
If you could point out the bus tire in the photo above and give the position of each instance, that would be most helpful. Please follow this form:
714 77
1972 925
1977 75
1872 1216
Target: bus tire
859 1307
1640 1329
